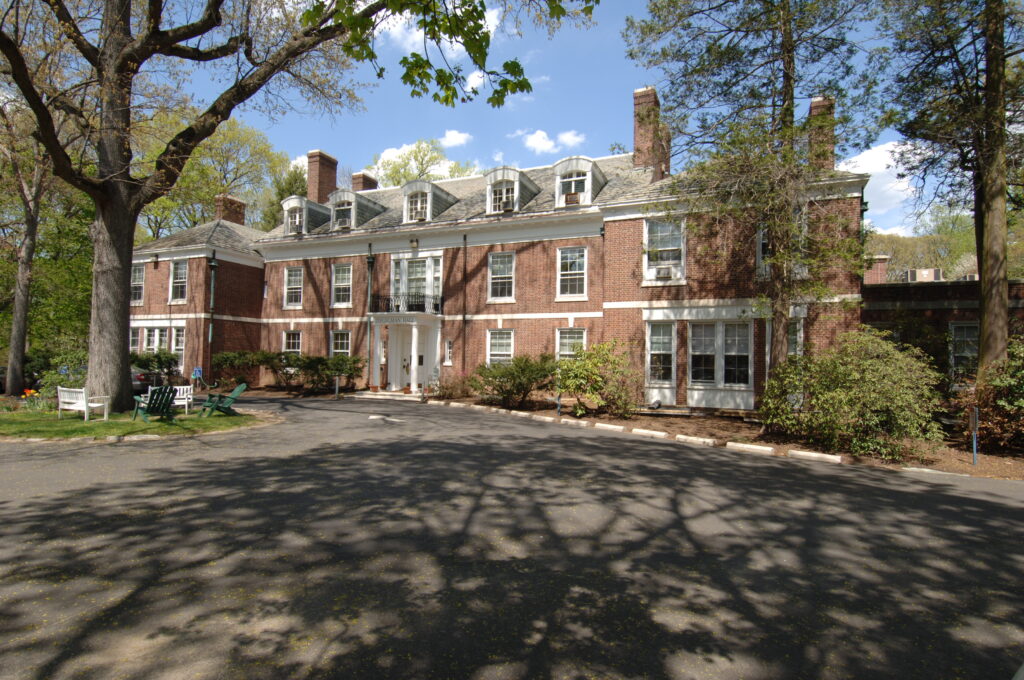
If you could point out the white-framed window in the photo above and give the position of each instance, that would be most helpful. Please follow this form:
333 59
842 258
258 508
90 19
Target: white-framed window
963 348
499 346
664 251
133 340
795 337
762 254
179 281
416 283
503 196
156 339
341 285
720 353
449 352
661 353
342 217
341 343
418 205
292 342
293 286
572 272
572 186
501 269
178 346
567 339
138 283
293 221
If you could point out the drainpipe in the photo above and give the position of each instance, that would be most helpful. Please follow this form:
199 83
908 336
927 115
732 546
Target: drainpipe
371 350
465 282
213 264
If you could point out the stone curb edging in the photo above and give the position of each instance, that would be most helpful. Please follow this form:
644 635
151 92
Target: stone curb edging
814 455
574 422
657 434
699 441
750 448
543 419
609 426
933 472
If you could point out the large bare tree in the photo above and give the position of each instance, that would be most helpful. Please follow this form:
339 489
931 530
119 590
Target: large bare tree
125 52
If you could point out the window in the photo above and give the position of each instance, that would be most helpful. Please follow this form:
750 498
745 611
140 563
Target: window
341 286
293 287
503 197
663 250
418 206
156 339
499 346
343 215
500 271
964 350
572 272
138 281
133 340
341 342
293 224
409 284
292 342
763 254
449 352
568 339
179 281
720 354
660 352
702 352
572 185
178 348
795 337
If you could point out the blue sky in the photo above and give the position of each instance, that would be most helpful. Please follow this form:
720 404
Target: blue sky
581 104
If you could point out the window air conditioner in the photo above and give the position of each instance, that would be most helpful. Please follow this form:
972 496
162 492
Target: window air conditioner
418 215
663 273
343 223
508 205
572 199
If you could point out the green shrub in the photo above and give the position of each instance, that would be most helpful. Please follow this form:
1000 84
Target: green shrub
999 400
600 379
456 387
866 395
162 362
67 369
512 383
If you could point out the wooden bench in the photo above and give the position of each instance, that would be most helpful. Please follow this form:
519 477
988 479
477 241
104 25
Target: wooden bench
182 396
77 399
158 402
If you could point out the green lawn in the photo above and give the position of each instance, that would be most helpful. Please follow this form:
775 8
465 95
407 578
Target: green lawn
25 423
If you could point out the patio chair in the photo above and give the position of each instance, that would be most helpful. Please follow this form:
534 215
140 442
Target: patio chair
222 402
159 402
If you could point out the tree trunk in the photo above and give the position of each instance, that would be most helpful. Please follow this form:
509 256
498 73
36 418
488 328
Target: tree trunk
109 372
994 332
19 318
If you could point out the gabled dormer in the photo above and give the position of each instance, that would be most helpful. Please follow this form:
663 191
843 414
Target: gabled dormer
301 215
578 181
508 190
350 210
422 201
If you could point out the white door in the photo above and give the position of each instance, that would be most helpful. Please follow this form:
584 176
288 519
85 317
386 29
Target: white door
399 341
660 383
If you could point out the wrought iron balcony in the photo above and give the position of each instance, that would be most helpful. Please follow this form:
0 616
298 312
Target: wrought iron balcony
407 302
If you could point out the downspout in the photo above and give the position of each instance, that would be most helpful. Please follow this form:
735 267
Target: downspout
212 263
370 369
465 282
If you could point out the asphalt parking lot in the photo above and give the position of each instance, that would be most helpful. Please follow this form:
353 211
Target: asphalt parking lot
401 540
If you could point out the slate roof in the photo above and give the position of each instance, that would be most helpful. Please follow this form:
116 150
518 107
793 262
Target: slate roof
219 234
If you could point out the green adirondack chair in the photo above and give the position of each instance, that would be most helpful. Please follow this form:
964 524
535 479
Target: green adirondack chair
159 402
221 402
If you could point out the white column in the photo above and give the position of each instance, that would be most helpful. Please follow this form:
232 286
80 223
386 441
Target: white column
375 364
414 359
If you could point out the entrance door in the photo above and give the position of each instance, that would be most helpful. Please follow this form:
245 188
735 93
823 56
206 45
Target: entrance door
660 384
399 348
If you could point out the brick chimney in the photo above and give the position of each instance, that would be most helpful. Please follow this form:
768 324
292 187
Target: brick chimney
650 137
363 181
823 133
878 269
321 176
229 208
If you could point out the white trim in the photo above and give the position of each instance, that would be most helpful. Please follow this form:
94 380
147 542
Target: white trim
284 341
512 317
648 383
284 287
570 327
512 342
142 298
449 351
500 300
197 252
311 319
667 304
171 300
334 272
338 331
678 271
163 322
574 297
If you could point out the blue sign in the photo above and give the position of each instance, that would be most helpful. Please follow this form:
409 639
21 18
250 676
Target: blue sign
197 372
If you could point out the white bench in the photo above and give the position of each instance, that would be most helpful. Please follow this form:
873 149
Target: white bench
182 396
72 399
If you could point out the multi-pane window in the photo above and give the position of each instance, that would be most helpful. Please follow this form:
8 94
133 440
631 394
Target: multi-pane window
500 269
417 284
793 337
764 253
664 243
964 359
499 346
341 285
418 206
571 185
343 214
736 355
138 282
572 271
178 347
702 352
179 281
660 352
292 342
293 224
568 340
449 352
156 339
133 340
341 342
503 197
293 287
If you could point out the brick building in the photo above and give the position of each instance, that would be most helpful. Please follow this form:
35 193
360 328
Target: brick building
430 279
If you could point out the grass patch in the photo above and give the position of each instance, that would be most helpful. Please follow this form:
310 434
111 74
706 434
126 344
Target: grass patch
45 424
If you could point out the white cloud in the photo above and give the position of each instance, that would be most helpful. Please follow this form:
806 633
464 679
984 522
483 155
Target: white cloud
518 133
404 34
455 138
539 142
498 157
888 196
474 80
571 138
300 162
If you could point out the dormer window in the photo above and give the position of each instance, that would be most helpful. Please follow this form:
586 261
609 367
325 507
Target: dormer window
503 197
342 215
573 185
293 221
418 206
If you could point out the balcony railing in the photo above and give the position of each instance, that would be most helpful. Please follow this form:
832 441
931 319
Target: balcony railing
407 302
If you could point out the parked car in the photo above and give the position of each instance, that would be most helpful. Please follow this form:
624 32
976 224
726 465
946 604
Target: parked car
141 381
3 379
